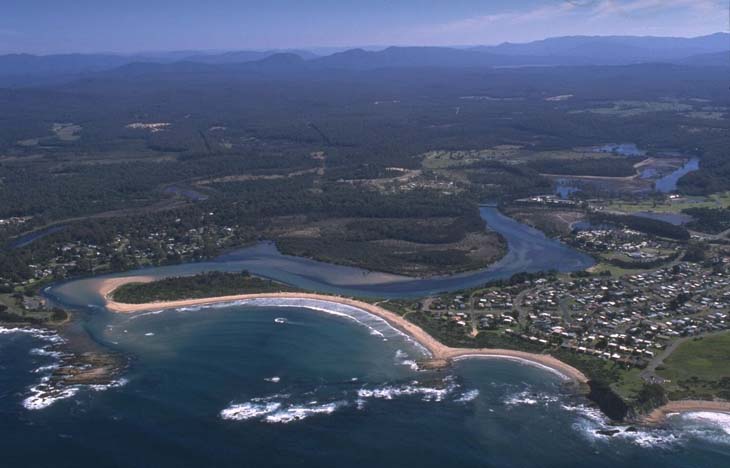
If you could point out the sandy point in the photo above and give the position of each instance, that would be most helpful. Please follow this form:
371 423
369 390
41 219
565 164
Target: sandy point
441 354
107 286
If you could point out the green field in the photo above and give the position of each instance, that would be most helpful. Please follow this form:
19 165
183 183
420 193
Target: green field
634 108
699 368
705 358
720 200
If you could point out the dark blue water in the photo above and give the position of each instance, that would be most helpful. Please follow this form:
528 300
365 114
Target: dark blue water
230 387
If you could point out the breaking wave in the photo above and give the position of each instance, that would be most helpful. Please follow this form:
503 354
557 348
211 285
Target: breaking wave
280 408
48 391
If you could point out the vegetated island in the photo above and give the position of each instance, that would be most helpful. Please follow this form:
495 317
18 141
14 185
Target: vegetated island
139 293
205 285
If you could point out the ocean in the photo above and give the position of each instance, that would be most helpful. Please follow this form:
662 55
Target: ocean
253 386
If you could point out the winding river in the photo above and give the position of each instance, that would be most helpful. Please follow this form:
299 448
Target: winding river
529 250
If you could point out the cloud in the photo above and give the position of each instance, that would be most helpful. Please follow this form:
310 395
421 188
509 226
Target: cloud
605 8
568 17
516 17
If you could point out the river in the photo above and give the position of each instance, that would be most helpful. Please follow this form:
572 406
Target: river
529 250
228 386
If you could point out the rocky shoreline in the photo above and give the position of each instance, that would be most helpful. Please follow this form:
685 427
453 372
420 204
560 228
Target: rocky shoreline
78 362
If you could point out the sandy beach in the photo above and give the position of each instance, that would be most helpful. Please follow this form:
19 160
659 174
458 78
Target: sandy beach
686 406
108 285
441 354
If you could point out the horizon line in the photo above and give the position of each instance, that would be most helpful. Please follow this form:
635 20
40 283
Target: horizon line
336 49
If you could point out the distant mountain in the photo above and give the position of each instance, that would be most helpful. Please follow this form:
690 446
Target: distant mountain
28 70
406 57
243 56
571 50
716 59
713 50
614 50
26 64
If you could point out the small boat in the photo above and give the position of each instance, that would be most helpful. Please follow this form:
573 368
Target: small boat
280 320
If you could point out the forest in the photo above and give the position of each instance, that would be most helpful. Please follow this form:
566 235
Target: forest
309 157
709 220
209 284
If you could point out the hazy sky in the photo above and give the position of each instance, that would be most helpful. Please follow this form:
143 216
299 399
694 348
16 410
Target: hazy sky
50 26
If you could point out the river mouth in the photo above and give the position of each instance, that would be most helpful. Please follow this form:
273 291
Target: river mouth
529 250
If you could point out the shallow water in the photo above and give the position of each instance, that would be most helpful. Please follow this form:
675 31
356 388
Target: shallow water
529 251
668 183
228 386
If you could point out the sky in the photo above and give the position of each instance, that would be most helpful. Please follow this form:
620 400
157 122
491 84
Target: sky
130 26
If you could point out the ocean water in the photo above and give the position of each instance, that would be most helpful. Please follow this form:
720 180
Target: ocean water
259 385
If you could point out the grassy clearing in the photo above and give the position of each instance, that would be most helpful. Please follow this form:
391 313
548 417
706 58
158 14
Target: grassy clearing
616 271
720 200
508 153
699 368
705 358
634 108
629 383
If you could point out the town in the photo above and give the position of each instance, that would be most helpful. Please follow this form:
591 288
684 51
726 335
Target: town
629 320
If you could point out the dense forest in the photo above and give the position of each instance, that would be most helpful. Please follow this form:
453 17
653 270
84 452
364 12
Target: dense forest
133 160
710 220
642 224
209 284
614 167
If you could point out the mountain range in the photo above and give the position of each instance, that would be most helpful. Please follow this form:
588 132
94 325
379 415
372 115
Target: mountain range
713 50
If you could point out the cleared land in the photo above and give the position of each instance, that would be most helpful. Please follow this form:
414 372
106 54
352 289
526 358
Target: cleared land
700 366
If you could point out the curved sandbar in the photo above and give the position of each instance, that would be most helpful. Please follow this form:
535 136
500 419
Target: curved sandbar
440 353
686 406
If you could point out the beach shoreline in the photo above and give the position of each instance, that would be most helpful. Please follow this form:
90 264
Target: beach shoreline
441 355
659 415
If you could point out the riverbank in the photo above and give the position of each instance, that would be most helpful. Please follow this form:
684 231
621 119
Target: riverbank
441 354
660 414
